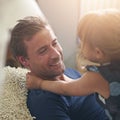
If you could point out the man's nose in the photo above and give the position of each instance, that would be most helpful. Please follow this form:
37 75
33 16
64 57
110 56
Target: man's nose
54 53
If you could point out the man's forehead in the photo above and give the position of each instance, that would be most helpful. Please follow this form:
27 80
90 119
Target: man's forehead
51 31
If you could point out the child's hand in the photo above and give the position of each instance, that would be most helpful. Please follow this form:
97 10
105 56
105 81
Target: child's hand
32 81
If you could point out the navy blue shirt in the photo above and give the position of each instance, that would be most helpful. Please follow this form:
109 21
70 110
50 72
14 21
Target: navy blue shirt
45 105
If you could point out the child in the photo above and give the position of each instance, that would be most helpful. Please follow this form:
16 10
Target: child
99 34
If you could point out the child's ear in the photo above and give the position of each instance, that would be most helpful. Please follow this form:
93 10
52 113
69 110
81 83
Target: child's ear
99 53
23 61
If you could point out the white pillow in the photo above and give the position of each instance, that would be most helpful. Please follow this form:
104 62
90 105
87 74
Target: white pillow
13 95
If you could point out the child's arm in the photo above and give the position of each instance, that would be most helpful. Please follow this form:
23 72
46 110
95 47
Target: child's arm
89 83
32 81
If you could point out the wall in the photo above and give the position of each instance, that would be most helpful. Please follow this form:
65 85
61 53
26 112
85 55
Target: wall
63 17
10 12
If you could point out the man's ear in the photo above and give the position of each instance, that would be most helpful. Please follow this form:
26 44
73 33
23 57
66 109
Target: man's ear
99 53
23 61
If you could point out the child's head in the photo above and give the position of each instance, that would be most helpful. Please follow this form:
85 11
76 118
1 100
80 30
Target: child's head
99 33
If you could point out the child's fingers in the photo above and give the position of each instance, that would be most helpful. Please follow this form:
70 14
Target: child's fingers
28 80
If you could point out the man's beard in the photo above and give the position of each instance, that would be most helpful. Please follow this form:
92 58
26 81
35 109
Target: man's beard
51 74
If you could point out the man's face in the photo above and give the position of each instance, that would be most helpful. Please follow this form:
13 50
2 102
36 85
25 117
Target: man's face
45 57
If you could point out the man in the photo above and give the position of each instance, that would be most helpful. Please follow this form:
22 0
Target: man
35 46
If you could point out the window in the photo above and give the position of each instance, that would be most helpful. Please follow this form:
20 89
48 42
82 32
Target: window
87 5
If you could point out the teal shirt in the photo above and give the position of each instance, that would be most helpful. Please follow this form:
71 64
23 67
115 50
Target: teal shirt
111 72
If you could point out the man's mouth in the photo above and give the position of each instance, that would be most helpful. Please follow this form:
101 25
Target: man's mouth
56 64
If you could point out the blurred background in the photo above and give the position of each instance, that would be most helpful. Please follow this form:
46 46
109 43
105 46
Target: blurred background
63 15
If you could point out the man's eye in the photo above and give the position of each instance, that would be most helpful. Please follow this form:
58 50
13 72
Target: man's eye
42 51
55 43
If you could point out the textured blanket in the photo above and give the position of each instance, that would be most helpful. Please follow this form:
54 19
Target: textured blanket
13 95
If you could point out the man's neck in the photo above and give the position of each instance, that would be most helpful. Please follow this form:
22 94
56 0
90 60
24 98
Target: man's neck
60 77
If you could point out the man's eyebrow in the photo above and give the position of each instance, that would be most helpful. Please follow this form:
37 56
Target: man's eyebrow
55 39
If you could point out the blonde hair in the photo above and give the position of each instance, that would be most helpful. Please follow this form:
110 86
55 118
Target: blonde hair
102 29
